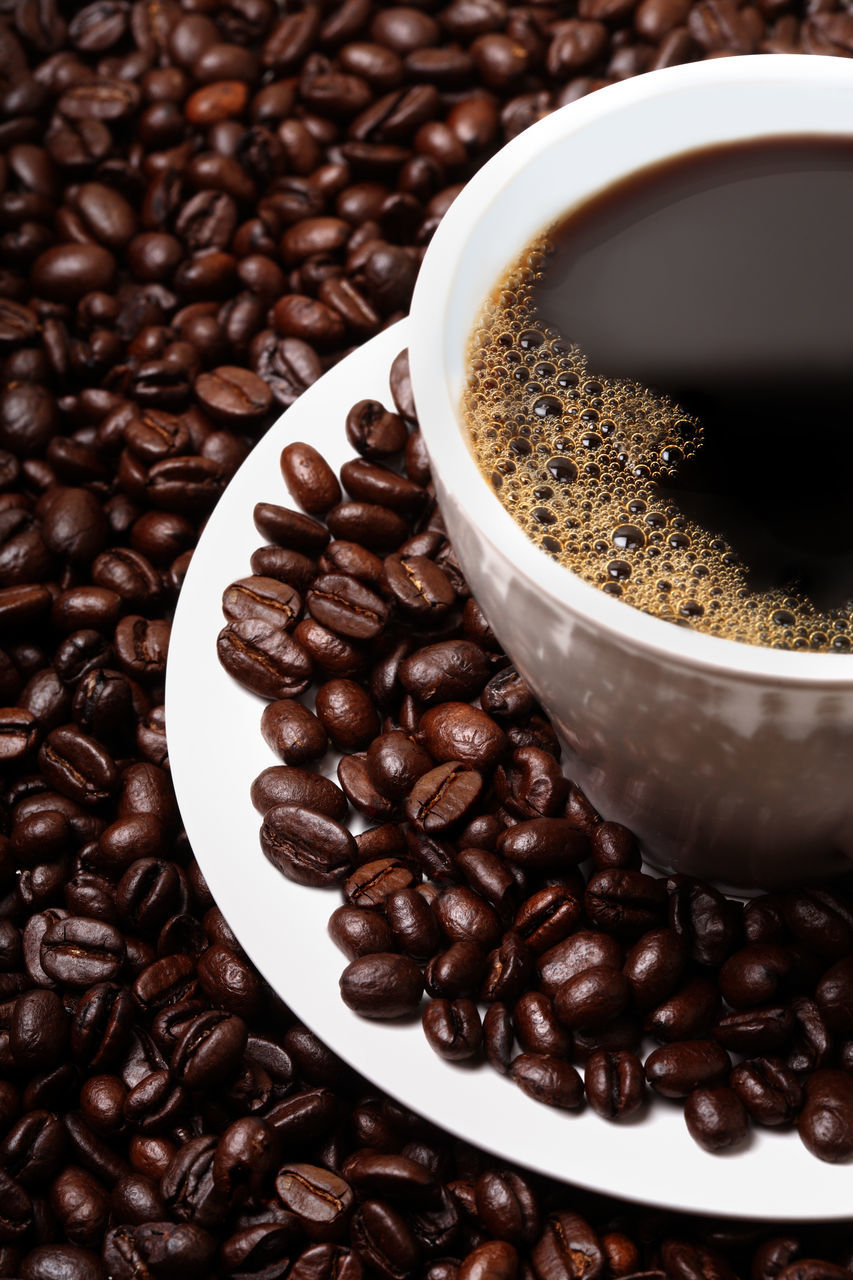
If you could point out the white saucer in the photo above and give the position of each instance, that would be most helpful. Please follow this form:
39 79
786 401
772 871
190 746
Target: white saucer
216 750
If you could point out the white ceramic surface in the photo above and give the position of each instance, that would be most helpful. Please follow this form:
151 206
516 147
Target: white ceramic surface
216 749
730 761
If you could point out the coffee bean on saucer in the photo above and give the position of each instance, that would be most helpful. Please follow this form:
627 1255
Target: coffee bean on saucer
716 1118
382 985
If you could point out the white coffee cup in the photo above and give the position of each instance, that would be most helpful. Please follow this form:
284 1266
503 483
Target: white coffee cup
730 761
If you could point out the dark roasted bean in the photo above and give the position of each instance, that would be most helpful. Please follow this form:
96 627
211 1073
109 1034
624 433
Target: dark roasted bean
359 931
544 844
825 1123
716 1118
263 598
581 951
654 965
80 952
768 1089
443 797
347 606
692 1011
614 1082
265 659
625 902
382 985
293 732
374 431
453 1028
306 846
537 1028
321 1200
309 478
675 1070
704 919
285 784
591 999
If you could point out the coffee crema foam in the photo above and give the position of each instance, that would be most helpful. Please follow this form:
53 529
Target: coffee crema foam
576 460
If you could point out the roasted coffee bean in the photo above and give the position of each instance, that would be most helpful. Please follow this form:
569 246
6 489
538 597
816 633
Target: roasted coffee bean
508 969
614 846
443 797
289 785
537 1028
754 1031
373 430
372 482
382 985
229 981
544 844
716 1118
347 606
497 1036
453 1028
33 1148
81 952
450 670
691 1012
568 1248
309 478
655 965
78 766
233 396
614 1082
352 559
290 567
263 658
675 1070
768 1089
419 586
264 598
812 1042
488 876
413 923
38 1030
548 1079
457 971
755 975
321 1200
209 1050
457 731
101 1025
547 918
704 919
355 781
359 931
625 902
591 999
834 997
395 762
307 846
293 732
824 1124
465 917
290 529
583 950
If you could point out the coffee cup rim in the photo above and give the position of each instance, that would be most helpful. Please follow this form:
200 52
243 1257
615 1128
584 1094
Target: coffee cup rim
456 469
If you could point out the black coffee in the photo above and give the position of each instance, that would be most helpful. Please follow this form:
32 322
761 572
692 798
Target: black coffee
661 391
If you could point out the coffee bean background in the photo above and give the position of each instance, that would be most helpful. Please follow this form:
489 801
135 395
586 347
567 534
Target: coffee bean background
202 206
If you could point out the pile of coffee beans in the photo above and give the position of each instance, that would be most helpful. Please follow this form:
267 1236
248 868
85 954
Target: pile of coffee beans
466 884
202 206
